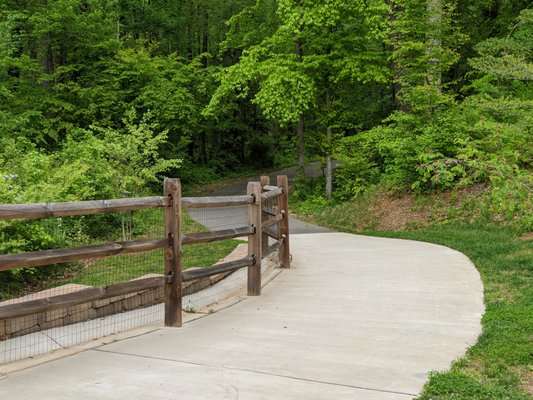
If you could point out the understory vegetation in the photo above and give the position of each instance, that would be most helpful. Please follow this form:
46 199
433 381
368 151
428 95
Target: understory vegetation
102 99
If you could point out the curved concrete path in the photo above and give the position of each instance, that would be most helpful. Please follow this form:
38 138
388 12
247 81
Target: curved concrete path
354 318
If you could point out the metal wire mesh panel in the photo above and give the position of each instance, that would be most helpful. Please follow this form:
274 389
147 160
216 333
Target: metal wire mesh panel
270 210
49 328
203 255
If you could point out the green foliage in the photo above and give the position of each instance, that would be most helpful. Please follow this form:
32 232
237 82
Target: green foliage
457 385
510 57
483 138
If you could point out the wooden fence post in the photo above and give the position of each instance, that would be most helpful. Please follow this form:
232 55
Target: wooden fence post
265 180
254 241
284 251
173 254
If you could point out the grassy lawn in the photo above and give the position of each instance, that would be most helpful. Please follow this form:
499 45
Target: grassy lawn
500 365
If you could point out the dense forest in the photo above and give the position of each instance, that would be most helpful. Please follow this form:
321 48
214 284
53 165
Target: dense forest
101 98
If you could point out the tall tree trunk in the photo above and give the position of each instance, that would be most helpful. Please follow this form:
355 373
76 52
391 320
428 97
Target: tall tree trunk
205 39
48 57
329 132
300 127
202 150
396 88
434 10
300 131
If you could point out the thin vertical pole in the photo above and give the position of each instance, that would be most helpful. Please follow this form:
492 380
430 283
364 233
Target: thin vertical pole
173 254
265 180
284 250
254 241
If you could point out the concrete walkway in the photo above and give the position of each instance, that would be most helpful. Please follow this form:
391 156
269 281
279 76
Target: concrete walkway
354 318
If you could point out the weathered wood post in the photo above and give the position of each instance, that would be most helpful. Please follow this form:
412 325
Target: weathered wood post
265 180
173 253
254 241
283 204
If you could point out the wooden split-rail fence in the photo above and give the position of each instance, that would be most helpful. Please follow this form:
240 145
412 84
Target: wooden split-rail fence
259 229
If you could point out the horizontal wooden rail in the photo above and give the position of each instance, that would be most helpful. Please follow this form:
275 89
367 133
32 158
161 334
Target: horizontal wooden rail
43 210
80 297
218 201
269 187
206 237
193 274
269 223
271 212
276 235
271 194
272 248
55 256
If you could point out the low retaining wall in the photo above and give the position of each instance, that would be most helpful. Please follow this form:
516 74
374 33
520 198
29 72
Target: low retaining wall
24 325
95 309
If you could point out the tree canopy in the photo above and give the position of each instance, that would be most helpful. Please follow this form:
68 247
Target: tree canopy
423 94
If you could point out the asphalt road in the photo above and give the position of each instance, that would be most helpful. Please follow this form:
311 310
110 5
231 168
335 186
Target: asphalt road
232 217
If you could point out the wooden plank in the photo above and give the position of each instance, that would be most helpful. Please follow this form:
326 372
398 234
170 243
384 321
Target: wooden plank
275 235
269 223
269 212
43 210
192 274
79 297
218 201
207 237
284 252
173 295
56 256
269 187
271 194
254 241
272 248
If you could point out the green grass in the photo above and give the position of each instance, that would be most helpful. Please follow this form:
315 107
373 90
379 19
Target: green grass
107 271
123 268
500 365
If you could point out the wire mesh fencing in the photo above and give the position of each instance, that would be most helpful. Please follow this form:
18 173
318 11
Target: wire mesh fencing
66 280
46 330
201 255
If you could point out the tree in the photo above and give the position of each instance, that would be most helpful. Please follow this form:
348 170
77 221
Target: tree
424 44
315 47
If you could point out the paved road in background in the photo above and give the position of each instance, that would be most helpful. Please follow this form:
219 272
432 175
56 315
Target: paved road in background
231 217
